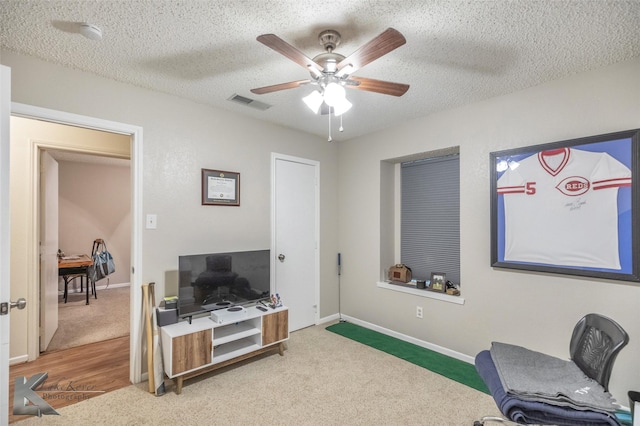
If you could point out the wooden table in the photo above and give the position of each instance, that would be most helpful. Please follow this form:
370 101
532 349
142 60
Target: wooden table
77 264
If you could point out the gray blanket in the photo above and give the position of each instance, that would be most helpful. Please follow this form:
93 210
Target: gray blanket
534 376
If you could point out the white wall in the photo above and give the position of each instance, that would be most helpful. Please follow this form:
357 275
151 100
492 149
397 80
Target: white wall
529 309
181 138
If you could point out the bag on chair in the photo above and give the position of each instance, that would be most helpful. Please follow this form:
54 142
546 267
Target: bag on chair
103 263
98 268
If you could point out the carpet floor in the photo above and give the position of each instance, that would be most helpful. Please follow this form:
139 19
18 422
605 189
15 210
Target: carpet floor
444 365
323 379
104 318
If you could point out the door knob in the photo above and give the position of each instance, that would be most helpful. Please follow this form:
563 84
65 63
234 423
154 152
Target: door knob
20 304
281 257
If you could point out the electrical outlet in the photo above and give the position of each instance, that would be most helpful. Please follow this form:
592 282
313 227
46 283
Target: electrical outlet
419 311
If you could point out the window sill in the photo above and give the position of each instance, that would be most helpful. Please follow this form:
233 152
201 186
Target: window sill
459 300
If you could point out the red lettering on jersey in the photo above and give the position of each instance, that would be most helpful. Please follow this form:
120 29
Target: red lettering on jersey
530 188
573 186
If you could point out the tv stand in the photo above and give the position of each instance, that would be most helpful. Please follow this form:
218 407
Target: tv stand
200 345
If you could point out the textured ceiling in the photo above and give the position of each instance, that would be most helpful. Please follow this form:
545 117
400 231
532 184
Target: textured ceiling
457 52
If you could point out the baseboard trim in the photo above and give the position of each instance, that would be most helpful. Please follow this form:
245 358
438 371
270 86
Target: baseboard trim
18 359
104 287
436 348
330 318
98 287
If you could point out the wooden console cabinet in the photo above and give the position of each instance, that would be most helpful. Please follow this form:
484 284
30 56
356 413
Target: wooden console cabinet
191 349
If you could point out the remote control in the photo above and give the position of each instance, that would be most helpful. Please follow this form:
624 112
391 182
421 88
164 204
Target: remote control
262 308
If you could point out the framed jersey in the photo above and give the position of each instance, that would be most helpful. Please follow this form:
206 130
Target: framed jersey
568 207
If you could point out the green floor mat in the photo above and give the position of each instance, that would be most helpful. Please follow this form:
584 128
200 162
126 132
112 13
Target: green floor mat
446 366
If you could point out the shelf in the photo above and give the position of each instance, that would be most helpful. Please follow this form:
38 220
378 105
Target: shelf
233 349
229 333
459 300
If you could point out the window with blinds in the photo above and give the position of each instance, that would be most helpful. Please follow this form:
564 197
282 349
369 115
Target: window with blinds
430 216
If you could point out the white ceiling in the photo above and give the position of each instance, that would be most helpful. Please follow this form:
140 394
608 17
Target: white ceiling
457 52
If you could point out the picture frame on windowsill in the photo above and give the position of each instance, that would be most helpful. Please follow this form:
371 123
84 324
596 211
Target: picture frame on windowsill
438 282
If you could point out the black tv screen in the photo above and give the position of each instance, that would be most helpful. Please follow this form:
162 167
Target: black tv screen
214 280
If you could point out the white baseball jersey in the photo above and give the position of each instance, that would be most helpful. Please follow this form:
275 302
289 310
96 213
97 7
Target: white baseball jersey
560 208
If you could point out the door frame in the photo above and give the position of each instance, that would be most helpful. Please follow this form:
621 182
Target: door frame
316 276
60 117
5 238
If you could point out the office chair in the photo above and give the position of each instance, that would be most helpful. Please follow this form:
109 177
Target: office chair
595 343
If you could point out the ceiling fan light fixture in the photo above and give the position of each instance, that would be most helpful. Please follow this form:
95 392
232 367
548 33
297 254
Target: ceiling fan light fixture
334 94
330 66
341 107
313 101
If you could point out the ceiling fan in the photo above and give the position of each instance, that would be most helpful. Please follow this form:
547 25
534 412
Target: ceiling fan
332 71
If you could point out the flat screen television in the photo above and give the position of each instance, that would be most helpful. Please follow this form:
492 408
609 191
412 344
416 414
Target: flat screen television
217 280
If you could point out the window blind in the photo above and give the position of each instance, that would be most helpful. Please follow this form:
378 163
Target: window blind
430 217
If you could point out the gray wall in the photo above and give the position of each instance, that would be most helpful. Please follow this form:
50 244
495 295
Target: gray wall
524 308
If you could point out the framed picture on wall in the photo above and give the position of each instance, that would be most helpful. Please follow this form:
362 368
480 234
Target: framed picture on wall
220 188
568 207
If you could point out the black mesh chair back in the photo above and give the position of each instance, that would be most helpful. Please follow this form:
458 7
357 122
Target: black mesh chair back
595 344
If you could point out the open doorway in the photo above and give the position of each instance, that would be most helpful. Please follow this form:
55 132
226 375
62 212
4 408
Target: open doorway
81 195
93 202
24 332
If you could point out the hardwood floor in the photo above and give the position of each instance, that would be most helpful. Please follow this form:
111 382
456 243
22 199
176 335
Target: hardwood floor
76 374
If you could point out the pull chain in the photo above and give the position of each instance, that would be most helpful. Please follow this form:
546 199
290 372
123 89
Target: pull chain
330 138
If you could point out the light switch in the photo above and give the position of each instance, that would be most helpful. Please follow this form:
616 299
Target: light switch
152 221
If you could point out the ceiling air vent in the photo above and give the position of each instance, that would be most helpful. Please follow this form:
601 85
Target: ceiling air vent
249 102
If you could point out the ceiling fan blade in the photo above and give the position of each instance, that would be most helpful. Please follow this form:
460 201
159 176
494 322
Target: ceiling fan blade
281 86
284 48
389 40
379 86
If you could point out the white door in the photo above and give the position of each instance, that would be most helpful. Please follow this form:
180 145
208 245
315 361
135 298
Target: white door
5 111
48 249
295 237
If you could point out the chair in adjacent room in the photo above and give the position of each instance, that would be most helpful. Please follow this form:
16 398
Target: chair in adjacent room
98 247
595 343
68 279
